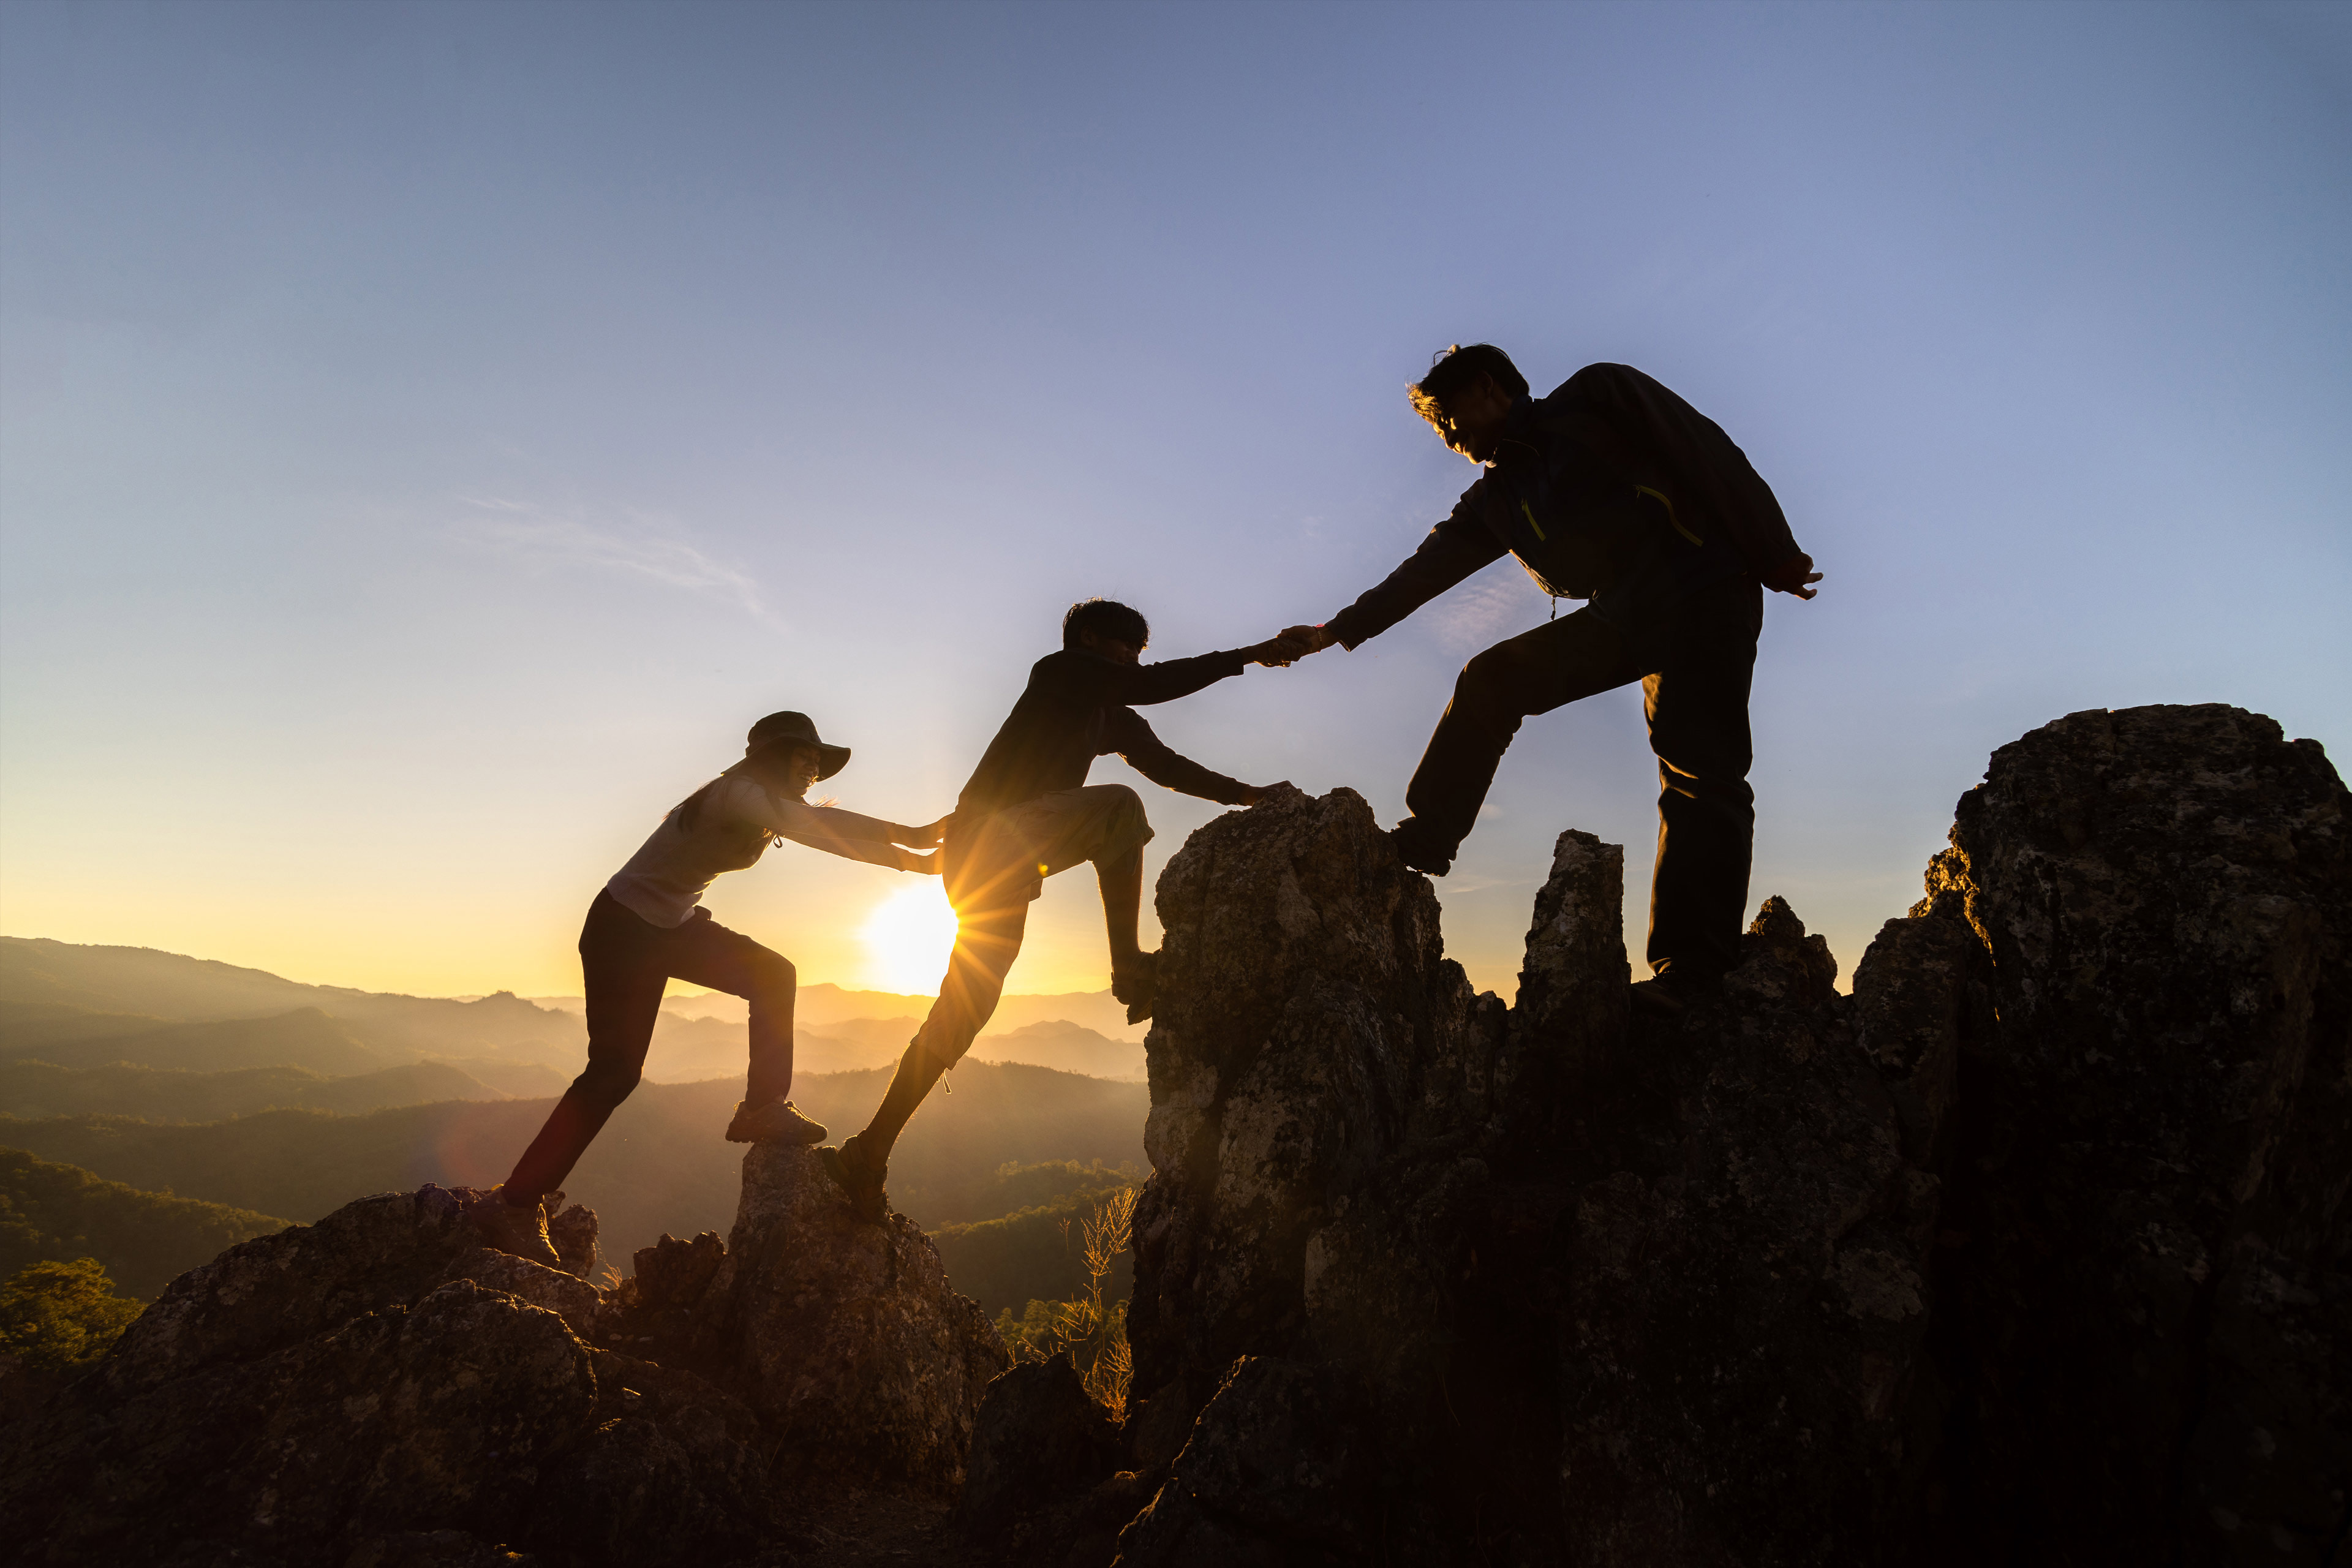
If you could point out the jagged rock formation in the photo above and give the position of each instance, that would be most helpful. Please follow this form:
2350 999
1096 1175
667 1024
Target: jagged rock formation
2146 1348
2033 1248
378 1389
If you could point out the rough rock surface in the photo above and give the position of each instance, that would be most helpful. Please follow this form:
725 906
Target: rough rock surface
379 1389
2033 1249
1040 1438
2148 1259
846 1336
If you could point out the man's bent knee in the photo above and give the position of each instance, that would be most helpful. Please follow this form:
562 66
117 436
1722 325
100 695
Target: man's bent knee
1489 684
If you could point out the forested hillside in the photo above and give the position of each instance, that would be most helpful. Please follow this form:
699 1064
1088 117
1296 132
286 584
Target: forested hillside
1032 1251
49 1211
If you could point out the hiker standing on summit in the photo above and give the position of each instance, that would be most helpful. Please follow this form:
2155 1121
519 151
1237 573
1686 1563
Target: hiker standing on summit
647 927
1614 490
1027 813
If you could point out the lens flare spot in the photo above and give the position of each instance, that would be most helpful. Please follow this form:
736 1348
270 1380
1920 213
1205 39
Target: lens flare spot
907 937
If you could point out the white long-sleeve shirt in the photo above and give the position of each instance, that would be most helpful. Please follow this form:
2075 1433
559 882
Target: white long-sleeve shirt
667 876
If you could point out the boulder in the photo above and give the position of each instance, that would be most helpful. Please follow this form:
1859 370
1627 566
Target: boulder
863 1365
1039 1439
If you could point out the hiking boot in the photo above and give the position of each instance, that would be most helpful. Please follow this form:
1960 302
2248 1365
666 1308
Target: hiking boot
1422 848
514 1228
861 1185
777 1122
1137 983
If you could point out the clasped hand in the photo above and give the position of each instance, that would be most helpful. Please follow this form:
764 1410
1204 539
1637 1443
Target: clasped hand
1290 645
910 840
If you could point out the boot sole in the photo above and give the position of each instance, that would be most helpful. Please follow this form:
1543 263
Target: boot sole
803 1140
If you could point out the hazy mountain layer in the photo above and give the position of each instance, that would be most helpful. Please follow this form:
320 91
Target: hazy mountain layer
822 1005
305 1038
1067 1047
659 1165
33 1089
168 985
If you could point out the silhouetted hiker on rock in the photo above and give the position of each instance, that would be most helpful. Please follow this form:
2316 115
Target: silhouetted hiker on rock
1026 813
1614 490
648 928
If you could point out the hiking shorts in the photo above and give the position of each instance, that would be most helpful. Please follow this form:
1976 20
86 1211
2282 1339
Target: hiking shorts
1007 857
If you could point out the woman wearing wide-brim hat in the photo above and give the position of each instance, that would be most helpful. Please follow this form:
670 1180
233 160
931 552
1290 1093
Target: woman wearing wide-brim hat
647 927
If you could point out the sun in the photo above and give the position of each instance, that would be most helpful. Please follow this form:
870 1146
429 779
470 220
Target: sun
907 937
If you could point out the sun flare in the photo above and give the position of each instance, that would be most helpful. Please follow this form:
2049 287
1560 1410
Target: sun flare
907 937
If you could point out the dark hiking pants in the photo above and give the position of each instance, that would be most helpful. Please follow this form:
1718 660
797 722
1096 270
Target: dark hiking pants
1694 667
625 962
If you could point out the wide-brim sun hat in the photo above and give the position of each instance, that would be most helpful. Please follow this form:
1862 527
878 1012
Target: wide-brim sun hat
790 729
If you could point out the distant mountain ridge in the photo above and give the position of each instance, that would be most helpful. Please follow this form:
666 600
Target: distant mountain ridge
33 1089
89 1007
173 986
305 1038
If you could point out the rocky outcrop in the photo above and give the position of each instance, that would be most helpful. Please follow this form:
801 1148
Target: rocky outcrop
1503 1235
2147 1269
377 1389
863 1365
2033 1249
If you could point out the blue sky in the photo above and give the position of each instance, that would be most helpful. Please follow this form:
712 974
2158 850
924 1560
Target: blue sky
430 434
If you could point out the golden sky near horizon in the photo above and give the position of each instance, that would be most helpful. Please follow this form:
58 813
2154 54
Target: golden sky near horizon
860 927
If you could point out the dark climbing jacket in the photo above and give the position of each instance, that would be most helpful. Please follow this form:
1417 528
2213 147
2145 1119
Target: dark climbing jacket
1612 489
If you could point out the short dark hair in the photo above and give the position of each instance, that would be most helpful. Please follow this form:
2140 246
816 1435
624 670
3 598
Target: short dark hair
1457 368
1105 618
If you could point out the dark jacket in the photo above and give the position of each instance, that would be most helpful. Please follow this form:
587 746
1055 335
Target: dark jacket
1613 490
1074 710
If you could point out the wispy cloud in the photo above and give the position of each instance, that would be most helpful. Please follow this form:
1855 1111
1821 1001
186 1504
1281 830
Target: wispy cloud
529 534
1487 609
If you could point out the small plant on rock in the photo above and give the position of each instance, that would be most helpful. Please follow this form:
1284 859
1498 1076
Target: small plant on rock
1094 1333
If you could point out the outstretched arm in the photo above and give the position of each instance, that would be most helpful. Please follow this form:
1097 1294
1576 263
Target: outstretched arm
851 835
1147 754
1454 548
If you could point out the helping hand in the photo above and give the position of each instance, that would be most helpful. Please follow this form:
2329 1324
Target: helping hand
925 837
1273 653
1795 575
1297 642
